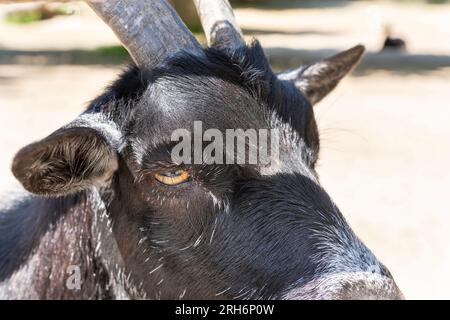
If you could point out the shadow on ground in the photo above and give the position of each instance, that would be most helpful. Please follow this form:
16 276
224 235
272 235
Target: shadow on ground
280 58
5 79
106 55
396 62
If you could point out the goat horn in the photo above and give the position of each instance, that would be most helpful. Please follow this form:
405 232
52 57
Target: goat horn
150 30
219 23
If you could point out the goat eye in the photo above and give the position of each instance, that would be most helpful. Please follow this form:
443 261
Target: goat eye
172 178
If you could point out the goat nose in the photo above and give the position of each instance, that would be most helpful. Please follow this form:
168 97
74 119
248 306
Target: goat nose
348 286
369 286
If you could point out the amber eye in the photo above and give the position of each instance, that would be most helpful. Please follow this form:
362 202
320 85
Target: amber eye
172 178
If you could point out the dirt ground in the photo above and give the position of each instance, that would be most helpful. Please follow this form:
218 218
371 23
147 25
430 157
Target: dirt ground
385 135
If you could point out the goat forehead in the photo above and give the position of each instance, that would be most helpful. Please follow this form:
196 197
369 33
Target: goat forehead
210 99
175 103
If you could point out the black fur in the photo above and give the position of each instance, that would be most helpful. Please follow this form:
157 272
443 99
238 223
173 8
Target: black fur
228 232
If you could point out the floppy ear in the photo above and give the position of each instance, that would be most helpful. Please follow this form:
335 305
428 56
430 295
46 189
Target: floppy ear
316 80
75 157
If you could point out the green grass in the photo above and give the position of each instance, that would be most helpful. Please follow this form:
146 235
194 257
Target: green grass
438 1
111 53
196 28
37 14
22 17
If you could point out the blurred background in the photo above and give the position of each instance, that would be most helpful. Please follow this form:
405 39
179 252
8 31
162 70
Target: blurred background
385 130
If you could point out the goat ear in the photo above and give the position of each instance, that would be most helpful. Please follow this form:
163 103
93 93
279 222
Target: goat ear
316 80
73 158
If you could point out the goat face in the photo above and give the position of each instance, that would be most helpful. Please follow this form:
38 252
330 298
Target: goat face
212 230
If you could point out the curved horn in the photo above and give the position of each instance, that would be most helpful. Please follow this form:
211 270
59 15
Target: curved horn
151 30
219 23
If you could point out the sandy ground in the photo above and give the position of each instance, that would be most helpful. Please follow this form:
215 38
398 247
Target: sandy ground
292 24
385 135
